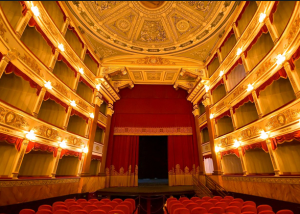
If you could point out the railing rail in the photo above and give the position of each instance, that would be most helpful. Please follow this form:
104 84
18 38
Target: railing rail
200 189
213 185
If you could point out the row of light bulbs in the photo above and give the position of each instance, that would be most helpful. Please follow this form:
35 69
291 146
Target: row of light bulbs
32 136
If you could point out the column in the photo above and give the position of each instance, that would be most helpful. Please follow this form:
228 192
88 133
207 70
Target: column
55 164
233 118
243 163
23 23
272 30
293 77
274 159
236 31
257 105
92 133
216 162
18 160
219 55
245 63
225 83
65 26
199 144
106 138
3 63
87 129
214 124
98 167
38 103
76 82
67 118
83 52
53 59
81 163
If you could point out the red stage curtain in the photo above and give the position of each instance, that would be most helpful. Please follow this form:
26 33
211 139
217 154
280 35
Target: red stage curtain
295 56
212 59
62 58
238 62
183 159
281 73
11 68
216 85
263 29
232 151
58 101
70 153
79 115
227 37
242 102
41 147
122 161
81 79
12 140
242 12
271 15
285 138
225 114
261 145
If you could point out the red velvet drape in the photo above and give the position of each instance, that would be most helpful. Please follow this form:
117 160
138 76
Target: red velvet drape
285 138
216 85
55 99
225 114
248 98
12 140
70 153
261 145
76 34
81 79
41 147
238 62
79 115
227 37
62 58
242 12
228 152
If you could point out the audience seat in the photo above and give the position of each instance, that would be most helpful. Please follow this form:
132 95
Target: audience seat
236 204
175 206
129 205
113 212
181 211
229 197
226 200
124 208
182 199
81 200
44 212
105 200
207 205
62 212
113 203
214 201
99 212
221 204
217 198
84 204
191 206
206 198
233 209
99 204
71 203
199 202
45 207
264 207
106 208
27 211
250 203
216 210
118 200
90 208
59 207
267 212
285 212
199 210
186 202
69 200
93 200
79 212
249 209
75 207
239 200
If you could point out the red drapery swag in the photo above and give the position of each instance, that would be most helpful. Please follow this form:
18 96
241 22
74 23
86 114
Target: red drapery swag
96 157
295 56
79 115
37 146
281 73
122 160
216 85
12 140
32 23
242 102
242 12
263 29
93 58
261 145
212 59
238 62
285 138
271 15
11 68
62 58
207 156
203 127
228 152
227 37
70 153
58 101
225 114
81 79
75 32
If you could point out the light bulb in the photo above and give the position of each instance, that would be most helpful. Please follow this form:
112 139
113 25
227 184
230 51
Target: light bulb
280 59
221 73
48 85
211 116
250 87
239 51
92 115
63 144
236 144
73 103
81 70
61 47
98 87
206 88
85 150
217 149
263 135
30 135
262 17
35 10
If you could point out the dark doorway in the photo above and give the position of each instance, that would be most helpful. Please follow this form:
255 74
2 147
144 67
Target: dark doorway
153 160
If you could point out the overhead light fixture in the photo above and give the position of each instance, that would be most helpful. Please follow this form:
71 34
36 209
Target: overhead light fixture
63 144
211 116
85 149
239 51
98 87
30 135
92 115
81 70
236 143
221 73
280 59
48 85
206 88
217 149
250 87
35 10
263 135
262 17
61 47
73 103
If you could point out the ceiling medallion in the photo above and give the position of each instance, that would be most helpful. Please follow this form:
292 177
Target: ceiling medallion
123 24
182 26
153 60
152 4
153 31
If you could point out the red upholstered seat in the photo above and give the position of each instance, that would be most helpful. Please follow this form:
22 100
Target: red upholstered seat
191 206
114 212
106 208
194 199
186 202
216 210
239 200
181 211
199 202
118 200
92 201
113 203
175 206
59 207
71 203
69 200
83 204
199 210
171 203
90 208
236 204
217 198
264 207
45 207
75 207
229 197
207 205
79 212
249 209
267 212
99 204
249 203
99 212
124 208
58 203
27 211
131 201
105 200
81 200
206 198
62 212
285 212
225 200
129 205
44 212
248 212
182 199
214 201
221 204
233 209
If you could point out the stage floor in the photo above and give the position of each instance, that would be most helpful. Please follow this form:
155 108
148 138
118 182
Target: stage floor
147 190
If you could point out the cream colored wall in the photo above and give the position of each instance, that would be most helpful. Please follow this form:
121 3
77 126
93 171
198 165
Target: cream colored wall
68 165
213 66
246 114
85 92
258 162
64 73
52 112
224 125
77 125
89 62
231 164
218 93
8 154
74 42
288 155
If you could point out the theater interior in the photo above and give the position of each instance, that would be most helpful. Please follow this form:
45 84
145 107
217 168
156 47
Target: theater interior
149 107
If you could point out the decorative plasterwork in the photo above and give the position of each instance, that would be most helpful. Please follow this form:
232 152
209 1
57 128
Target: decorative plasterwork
34 182
263 179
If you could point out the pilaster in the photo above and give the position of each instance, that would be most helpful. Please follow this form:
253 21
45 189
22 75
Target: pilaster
83 52
38 103
87 129
76 81
245 63
219 55
293 77
18 159
225 83
243 161
233 118
3 63
53 59
67 118
23 23
236 31
81 164
257 105
55 164
272 30
65 26
274 158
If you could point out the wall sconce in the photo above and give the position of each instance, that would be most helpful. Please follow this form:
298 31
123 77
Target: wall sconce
206 88
211 116
61 47
280 59
250 87
73 103
236 144
30 135
239 51
85 149
262 17
81 70
92 115
48 85
217 149
263 135
98 87
62 144
35 10
221 73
